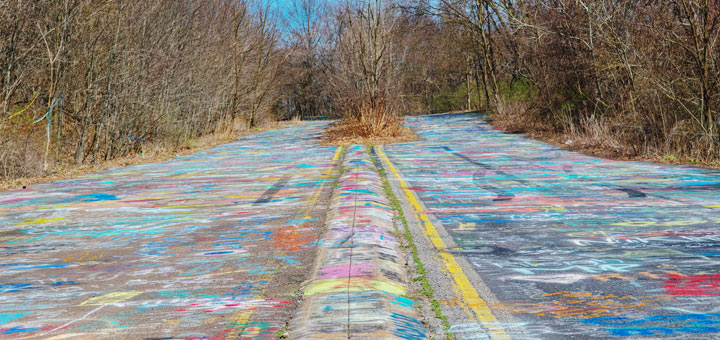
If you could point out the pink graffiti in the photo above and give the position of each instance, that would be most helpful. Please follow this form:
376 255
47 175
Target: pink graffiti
344 270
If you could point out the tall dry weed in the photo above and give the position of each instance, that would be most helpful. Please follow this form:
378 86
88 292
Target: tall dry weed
365 120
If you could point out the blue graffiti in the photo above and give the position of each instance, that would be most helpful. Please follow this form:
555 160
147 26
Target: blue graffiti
5 318
97 198
684 323
407 327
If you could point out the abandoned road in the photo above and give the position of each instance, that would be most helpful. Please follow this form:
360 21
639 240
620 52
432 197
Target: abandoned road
535 242
275 235
212 245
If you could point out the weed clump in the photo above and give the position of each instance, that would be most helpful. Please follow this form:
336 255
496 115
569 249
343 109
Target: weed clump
369 124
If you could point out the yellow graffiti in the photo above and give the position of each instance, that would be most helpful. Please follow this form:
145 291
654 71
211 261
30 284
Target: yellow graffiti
353 285
650 275
110 298
240 320
171 324
180 212
609 276
42 220
86 257
251 332
181 176
681 223
466 226
588 233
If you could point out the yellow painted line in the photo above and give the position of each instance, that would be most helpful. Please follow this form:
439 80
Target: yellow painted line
480 310
329 170
338 153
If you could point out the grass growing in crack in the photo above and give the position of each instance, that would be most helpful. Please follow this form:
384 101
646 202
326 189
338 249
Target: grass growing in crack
425 287
340 167
282 333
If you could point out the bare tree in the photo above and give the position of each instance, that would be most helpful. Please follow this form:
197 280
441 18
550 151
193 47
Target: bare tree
130 73
364 67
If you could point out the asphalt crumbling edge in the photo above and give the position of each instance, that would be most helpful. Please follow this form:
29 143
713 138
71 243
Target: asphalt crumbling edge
462 297
359 286
428 303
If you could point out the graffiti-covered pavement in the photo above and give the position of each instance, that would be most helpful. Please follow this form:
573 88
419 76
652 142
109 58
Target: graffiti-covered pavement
214 245
359 287
536 242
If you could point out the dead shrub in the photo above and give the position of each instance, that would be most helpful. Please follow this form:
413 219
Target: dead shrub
366 123
513 116
21 147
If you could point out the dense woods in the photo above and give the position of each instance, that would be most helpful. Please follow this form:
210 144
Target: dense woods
639 77
89 80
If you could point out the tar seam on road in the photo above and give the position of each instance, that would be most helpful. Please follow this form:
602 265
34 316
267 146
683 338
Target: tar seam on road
352 245
464 287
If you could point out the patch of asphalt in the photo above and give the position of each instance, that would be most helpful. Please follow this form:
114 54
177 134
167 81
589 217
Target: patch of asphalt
359 286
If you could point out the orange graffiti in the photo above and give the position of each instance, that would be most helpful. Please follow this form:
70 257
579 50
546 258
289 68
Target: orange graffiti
584 305
291 238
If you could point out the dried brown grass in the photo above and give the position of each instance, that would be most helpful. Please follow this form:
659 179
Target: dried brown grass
604 137
513 116
520 117
150 153
341 133
20 154
367 124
